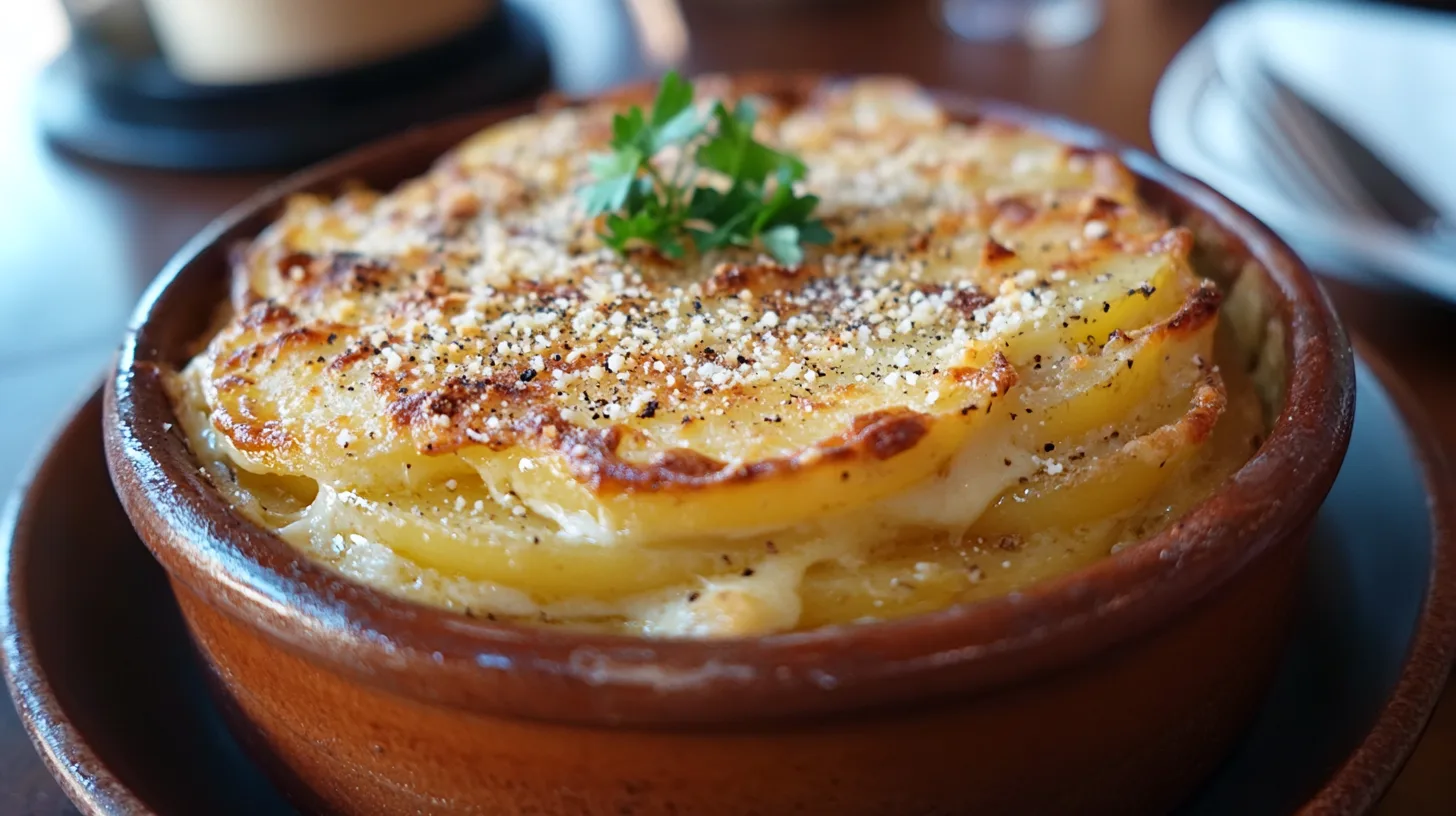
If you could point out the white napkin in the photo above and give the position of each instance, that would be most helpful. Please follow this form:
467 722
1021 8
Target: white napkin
1387 73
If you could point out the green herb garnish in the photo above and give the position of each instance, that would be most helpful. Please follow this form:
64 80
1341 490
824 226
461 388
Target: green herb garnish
644 207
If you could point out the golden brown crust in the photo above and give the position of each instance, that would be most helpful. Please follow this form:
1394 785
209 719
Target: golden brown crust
247 432
475 308
593 456
1198 311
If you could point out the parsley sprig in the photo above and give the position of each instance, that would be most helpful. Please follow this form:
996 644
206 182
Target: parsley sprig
754 202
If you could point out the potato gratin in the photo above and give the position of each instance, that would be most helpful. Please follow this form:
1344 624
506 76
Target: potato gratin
1001 369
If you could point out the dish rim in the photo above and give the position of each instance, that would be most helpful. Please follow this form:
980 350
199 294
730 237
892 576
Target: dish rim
1359 782
63 748
562 674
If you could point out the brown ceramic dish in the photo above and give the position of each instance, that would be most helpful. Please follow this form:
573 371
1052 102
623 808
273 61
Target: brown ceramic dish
1114 689
114 698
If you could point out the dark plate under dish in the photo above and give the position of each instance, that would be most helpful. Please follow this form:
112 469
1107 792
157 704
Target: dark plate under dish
104 677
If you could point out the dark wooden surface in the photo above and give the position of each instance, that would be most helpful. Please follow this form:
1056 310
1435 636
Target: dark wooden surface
78 240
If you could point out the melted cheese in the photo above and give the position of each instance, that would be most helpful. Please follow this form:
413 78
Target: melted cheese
1001 368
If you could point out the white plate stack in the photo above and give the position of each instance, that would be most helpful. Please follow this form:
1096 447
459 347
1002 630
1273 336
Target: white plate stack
1386 73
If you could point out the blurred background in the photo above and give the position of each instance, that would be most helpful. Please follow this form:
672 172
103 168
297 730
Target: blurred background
126 125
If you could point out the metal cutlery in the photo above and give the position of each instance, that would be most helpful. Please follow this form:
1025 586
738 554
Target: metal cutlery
1320 161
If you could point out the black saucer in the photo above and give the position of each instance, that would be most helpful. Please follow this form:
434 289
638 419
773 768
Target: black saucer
142 114
106 681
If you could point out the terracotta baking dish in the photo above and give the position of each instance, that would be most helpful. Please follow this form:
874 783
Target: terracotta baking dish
1115 689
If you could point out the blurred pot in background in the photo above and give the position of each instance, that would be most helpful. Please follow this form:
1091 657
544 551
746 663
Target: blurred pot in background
224 42
269 84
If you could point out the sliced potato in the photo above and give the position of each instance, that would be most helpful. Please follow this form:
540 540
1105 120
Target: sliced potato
1106 486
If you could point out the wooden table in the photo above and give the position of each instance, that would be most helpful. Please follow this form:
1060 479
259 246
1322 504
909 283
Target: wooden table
79 240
